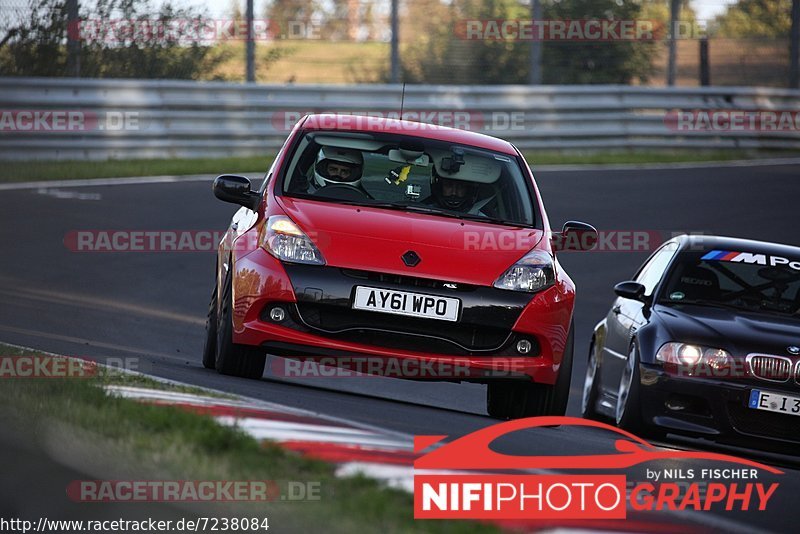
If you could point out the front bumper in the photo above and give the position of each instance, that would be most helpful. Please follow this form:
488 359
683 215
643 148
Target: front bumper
320 322
715 409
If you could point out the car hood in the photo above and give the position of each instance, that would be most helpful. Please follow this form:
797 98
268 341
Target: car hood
739 332
374 239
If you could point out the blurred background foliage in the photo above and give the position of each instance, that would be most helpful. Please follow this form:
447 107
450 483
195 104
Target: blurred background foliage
346 41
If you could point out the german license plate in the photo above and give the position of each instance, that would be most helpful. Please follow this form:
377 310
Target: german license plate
774 402
405 303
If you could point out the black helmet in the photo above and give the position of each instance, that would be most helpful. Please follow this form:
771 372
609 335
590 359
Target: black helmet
452 193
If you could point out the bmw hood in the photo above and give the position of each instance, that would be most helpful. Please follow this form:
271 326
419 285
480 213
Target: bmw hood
739 332
376 239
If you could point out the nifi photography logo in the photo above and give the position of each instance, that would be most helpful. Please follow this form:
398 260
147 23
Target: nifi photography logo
467 479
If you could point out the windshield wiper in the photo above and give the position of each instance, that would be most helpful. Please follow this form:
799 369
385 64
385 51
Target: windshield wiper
430 210
411 207
484 218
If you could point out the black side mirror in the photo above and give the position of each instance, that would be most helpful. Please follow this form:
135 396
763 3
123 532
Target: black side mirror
575 235
236 189
630 290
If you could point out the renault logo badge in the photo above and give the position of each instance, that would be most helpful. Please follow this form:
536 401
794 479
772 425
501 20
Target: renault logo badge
411 258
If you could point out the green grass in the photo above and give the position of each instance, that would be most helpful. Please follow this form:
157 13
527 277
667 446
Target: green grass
308 61
19 171
156 442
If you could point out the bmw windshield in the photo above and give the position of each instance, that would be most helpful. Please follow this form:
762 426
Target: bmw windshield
413 174
741 280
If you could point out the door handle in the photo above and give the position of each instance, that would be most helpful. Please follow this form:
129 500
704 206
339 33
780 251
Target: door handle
616 309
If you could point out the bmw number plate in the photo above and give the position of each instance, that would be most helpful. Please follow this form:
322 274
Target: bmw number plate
774 402
405 303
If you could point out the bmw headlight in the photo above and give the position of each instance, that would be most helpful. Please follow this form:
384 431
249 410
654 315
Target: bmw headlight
689 354
287 242
533 272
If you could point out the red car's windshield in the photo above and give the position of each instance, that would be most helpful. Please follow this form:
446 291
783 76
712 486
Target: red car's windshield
410 173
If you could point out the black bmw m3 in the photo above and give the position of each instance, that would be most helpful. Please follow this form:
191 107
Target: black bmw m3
704 341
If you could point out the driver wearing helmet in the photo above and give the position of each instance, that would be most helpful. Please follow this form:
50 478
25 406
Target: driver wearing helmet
452 193
337 166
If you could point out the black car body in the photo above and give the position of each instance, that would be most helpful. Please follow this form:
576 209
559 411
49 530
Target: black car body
704 341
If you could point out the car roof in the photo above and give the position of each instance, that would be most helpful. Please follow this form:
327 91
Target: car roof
733 244
363 123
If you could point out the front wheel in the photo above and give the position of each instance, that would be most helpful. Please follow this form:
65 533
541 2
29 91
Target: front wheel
232 359
507 399
210 346
628 411
629 401
590 386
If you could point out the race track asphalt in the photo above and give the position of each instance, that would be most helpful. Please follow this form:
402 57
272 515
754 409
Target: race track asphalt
151 306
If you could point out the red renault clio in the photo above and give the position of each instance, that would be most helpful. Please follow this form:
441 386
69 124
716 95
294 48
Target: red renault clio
384 240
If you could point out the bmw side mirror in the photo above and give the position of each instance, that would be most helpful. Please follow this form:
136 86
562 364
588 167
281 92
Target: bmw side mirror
630 290
575 235
236 190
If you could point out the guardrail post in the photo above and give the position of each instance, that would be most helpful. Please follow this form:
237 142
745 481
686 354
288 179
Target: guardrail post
705 74
395 59
674 14
73 39
794 67
536 47
251 44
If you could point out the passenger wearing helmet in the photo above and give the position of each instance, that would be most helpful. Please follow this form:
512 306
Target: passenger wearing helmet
337 166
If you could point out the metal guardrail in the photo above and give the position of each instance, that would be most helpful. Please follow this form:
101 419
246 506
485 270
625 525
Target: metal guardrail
165 119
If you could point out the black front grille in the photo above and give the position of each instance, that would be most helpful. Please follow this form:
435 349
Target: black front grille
405 333
772 368
763 423
402 280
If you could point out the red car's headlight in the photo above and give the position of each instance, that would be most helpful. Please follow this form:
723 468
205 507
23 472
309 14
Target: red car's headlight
287 242
533 272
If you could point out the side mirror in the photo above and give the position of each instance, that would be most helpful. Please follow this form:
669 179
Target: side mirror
630 290
236 189
575 235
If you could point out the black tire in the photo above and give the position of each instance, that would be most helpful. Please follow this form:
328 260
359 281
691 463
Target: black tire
590 389
507 399
231 359
210 346
628 409
631 418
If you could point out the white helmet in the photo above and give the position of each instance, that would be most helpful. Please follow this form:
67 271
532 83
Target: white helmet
345 160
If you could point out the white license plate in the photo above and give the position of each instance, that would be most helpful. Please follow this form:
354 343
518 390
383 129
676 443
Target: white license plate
774 402
405 303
